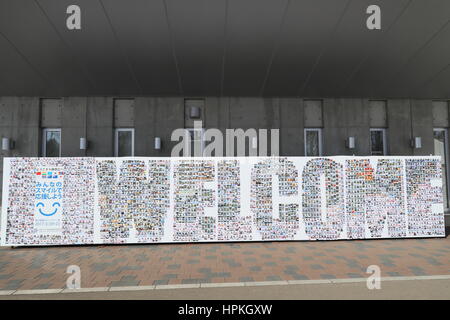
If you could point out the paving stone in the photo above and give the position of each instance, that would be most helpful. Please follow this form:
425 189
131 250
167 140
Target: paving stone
255 268
290 272
45 275
194 281
100 266
327 276
132 268
394 249
42 286
219 275
319 254
13 284
193 261
433 261
124 283
418 271
273 278
387 263
246 279
316 267
300 277
114 272
355 275
394 274
165 258
292 266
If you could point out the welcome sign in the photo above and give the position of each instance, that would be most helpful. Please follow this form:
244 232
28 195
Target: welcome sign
59 201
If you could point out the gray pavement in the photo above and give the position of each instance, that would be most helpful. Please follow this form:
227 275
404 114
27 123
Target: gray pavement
405 289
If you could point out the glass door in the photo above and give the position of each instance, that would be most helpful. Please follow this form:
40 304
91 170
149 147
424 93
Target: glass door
51 142
313 142
441 149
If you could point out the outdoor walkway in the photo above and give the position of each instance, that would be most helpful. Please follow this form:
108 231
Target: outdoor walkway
140 265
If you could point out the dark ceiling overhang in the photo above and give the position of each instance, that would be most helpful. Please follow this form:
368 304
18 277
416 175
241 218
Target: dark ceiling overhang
307 48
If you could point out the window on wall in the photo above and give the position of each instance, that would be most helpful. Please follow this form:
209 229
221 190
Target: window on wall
124 142
440 149
378 145
313 142
51 142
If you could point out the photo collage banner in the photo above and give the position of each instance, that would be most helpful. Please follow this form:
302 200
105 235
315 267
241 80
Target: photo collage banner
63 201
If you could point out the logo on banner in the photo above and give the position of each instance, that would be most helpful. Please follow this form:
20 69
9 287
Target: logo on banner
48 201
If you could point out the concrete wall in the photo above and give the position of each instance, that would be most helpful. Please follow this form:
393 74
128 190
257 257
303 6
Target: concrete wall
93 118
346 118
19 121
156 117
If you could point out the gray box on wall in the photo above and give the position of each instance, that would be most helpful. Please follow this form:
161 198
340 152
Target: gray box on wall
194 110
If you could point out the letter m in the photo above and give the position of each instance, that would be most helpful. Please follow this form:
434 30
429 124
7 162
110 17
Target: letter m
240 136
374 196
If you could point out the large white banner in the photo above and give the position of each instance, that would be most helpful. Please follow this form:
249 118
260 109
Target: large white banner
158 200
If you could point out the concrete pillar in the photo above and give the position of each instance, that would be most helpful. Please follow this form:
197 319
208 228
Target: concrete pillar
399 127
73 126
422 125
156 117
100 127
344 118
19 121
291 127
256 113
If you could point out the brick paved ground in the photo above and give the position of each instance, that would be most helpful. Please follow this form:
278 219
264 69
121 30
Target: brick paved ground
131 265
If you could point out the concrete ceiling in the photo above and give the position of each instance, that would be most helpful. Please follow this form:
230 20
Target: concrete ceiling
308 48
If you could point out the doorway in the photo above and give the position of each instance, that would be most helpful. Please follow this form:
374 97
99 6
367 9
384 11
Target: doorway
441 149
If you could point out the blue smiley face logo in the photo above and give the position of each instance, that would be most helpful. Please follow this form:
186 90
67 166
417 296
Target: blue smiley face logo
55 205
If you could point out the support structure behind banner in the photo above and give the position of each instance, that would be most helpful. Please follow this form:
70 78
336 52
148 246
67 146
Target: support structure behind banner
59 201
